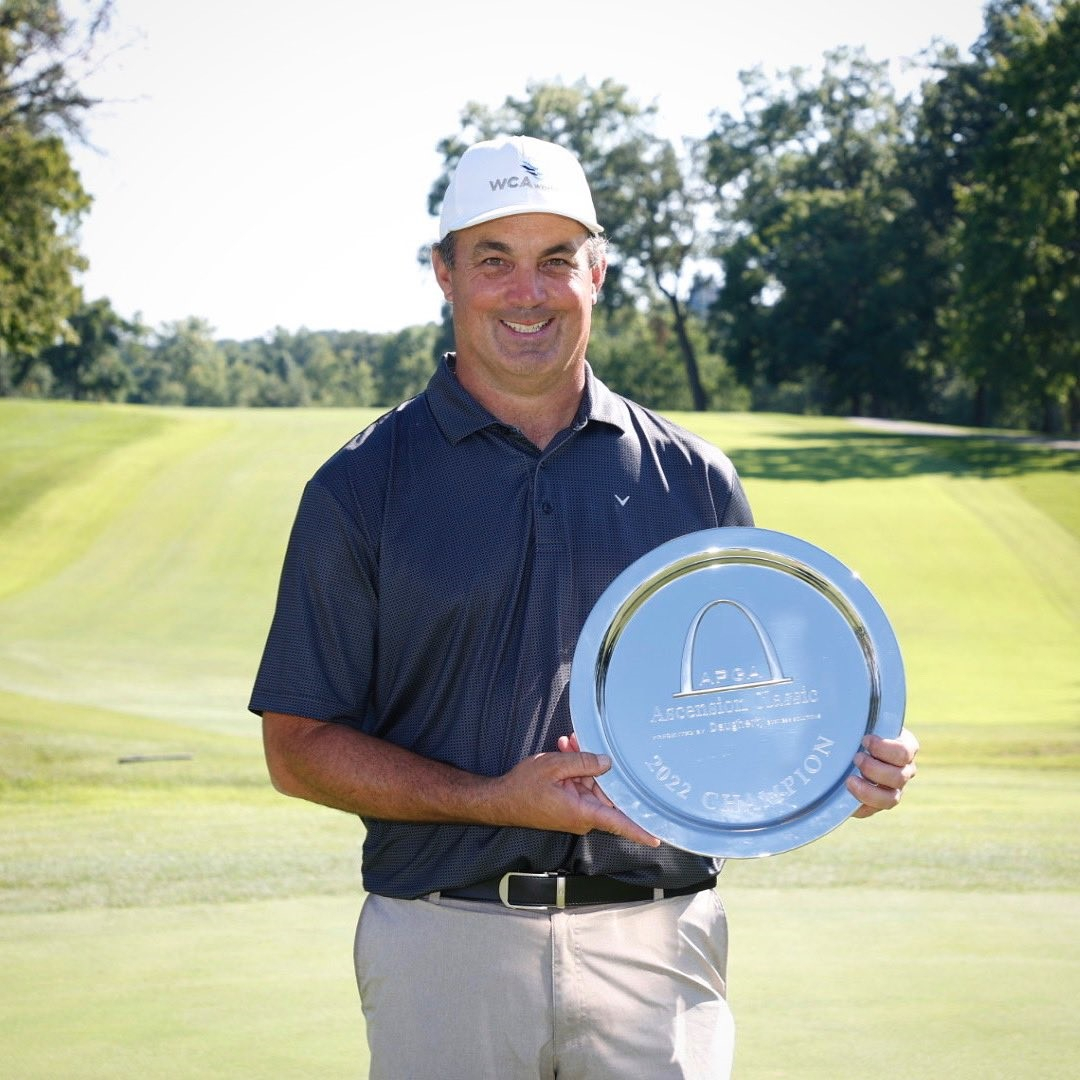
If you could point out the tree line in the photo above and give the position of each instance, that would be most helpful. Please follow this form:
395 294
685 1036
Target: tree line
830 247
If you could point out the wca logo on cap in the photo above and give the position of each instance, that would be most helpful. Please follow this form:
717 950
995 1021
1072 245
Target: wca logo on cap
532 179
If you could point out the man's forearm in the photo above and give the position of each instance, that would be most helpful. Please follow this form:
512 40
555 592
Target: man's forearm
340 767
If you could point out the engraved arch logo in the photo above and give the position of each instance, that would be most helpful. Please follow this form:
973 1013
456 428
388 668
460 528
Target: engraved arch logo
747 657
731 676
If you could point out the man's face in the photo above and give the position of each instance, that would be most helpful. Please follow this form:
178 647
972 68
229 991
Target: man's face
523 293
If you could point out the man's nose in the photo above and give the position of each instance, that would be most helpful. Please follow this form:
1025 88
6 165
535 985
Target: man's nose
526 286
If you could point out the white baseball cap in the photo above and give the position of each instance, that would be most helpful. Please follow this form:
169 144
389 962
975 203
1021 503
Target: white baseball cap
516 174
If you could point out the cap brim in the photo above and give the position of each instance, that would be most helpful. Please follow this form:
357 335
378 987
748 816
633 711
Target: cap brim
520 208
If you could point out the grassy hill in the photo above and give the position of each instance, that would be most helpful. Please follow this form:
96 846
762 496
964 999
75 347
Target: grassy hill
139 552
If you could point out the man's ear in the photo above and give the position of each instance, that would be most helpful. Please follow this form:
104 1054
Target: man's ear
442 276
599 272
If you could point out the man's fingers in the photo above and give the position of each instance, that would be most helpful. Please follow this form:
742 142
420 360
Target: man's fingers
571 763
886 766
882 773
577 770
588 785
873 797
900 751
613 820
629 831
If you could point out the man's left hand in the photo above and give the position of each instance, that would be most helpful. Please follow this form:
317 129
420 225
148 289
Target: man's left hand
886 766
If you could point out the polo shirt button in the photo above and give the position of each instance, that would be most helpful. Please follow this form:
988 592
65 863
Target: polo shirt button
547 508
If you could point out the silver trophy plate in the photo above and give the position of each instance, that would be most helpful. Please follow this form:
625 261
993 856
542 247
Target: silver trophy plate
731 675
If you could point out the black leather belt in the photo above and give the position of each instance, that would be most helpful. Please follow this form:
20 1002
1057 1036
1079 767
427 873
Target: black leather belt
542 891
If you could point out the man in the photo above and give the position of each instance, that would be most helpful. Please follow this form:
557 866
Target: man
439 572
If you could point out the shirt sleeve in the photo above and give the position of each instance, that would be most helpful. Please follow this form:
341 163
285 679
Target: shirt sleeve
319 653
737 511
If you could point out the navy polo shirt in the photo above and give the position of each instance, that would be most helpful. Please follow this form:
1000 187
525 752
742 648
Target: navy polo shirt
438 574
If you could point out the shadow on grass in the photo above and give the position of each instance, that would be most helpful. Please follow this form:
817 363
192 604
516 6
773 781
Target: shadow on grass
866 455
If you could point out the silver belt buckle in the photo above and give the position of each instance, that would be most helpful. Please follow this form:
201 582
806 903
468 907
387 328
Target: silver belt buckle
560 891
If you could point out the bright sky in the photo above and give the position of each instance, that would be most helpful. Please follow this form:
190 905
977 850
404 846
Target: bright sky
264 165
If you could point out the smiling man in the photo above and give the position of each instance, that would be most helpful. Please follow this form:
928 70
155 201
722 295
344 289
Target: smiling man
522 282
523 289
440 569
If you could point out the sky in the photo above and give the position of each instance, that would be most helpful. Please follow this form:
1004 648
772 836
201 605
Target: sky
265 165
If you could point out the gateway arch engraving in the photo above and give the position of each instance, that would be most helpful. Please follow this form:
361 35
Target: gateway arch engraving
740 678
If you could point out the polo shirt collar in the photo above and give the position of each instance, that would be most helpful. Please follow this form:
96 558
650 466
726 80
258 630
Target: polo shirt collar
460 415
600 404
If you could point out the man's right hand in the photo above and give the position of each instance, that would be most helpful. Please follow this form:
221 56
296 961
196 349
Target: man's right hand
558 791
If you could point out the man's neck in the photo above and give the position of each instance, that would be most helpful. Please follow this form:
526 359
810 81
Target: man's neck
539 416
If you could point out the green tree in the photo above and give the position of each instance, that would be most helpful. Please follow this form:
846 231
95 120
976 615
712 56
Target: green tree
89 366
637 353
642 186
278 357
1013 324
332 377
250 383
43 198
819 239
40 210
186 366
404 363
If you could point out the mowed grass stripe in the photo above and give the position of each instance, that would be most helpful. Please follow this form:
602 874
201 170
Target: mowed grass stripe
46 445
181 579
66 473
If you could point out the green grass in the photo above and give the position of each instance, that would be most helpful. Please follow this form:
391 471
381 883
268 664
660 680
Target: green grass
262 990
178 918
178 577
843 983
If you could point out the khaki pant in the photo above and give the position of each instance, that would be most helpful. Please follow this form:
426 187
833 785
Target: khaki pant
462 990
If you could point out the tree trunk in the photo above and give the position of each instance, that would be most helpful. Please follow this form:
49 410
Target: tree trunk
981 406
693 375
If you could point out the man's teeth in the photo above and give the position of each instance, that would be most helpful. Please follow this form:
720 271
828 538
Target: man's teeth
527 328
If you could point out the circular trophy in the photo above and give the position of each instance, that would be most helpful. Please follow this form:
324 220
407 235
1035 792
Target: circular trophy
731 675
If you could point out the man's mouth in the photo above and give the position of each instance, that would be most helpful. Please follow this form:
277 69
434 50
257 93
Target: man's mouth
526 328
